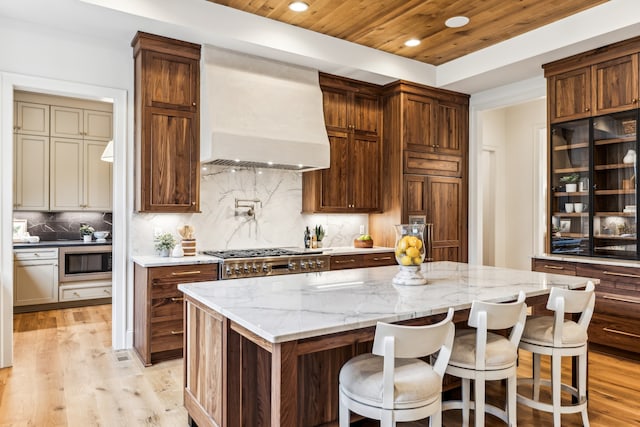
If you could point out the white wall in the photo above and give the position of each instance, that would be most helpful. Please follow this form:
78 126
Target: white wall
511 134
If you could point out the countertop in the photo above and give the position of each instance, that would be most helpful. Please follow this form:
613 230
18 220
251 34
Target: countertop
157 261
58 244
590 260
290 307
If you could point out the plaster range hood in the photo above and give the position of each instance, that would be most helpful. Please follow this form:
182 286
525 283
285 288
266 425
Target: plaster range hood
261 113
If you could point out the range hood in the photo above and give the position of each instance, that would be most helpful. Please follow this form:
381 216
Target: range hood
261 113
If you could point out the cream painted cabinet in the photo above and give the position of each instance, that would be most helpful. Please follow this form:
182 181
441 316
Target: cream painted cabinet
31 119
35 276
79 179
31 173
77 123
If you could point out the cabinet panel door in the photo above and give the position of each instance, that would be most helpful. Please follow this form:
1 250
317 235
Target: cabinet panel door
570 95
415 195
335 104
66 174
32 119
451 125
419 129
35 282
171 81
31 173
97 177
98 125
334 180
170 164
364 171
615 85
67 122
444 211
365 114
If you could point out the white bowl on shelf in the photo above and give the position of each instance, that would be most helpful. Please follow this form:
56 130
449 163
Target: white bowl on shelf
101 236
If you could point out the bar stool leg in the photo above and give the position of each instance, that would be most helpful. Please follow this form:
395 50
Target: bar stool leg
344 414
512 384
479 385
466 386
436 419
556 388
582 386
536 376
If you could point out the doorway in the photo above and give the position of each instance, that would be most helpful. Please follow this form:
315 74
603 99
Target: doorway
121 313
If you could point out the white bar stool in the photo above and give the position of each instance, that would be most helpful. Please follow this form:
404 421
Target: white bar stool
558 337
391 384
483 356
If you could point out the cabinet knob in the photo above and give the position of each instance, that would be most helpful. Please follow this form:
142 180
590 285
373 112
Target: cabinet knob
194 104
193 203
634 100
586 109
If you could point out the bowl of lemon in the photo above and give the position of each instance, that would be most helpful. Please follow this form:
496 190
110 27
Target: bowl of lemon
410 252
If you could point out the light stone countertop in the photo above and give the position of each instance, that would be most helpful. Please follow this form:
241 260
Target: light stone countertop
590 260
296 306
350 250
158 261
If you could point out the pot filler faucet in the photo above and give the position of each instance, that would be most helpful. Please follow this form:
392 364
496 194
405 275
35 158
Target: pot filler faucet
251 204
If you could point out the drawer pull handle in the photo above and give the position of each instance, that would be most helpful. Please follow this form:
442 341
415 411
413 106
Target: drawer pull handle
177 332
386 258
177 299
553 267
615 331
632 301
185 273
613 273
346 261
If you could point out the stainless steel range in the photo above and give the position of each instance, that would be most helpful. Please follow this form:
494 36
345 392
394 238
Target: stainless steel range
242 263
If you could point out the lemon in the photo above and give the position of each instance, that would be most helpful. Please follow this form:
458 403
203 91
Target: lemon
399 252
413 252
418 244
412 240
402 245
417 260
406 260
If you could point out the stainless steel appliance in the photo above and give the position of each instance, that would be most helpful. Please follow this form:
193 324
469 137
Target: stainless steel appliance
268 262
82 263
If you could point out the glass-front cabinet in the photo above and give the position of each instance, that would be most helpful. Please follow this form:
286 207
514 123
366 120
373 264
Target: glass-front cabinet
593 197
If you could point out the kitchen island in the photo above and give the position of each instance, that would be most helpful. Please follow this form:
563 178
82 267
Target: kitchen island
267 351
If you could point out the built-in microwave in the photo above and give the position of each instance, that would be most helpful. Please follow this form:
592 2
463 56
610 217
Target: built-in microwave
80 263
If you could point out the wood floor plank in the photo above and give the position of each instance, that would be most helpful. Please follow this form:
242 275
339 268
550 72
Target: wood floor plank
66 374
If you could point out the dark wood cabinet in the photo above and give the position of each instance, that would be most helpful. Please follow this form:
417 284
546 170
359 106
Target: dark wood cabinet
615 85
615 326
167 124
377 259
569 95
352 182
425 166
158 308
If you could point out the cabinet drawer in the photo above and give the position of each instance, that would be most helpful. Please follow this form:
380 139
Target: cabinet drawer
35 254
341 262
613 277
554 267
615 332
167 335
379 259
167 308
80 292
432 164
614 304
183 273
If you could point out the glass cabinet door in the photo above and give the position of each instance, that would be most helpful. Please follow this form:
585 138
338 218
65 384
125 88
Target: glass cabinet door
614 184
570 187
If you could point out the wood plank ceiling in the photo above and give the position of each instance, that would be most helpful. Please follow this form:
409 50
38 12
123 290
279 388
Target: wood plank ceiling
387 24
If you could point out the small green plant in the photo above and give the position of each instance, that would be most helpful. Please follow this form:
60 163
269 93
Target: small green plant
165 241
319 233
570 179
86 230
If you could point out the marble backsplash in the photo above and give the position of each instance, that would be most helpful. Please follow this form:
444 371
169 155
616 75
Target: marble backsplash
51 226
277 220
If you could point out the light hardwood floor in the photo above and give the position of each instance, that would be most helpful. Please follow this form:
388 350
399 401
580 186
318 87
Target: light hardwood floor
66 374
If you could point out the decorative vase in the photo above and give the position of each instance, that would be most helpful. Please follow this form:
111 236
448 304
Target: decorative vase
571 188
87 238
410 252
177 252
189 247
164 252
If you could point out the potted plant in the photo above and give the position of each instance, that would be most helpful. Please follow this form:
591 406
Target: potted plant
571 182
86 232
319 235
164 243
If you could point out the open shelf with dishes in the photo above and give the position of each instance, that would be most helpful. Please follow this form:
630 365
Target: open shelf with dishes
594 196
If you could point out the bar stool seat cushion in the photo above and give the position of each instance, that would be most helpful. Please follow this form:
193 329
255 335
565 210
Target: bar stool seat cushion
416 383
500 353
539 331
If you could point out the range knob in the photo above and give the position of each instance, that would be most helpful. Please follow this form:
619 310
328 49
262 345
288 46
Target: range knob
228 271
246 268
312 264
254 268
292 265
320 263
237 269
303 265
265 268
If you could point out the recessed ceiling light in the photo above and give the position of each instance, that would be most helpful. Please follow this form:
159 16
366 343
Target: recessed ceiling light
456 21
412 42
298 6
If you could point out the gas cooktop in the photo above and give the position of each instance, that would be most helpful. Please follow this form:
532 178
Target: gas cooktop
259 253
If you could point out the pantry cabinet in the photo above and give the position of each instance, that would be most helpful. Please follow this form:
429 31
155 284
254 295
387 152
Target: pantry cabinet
31 119
167 127
31 173
68 122
35 276
80 181
425 167
353 119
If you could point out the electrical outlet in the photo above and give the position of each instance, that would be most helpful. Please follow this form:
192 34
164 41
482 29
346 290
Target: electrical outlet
361 228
